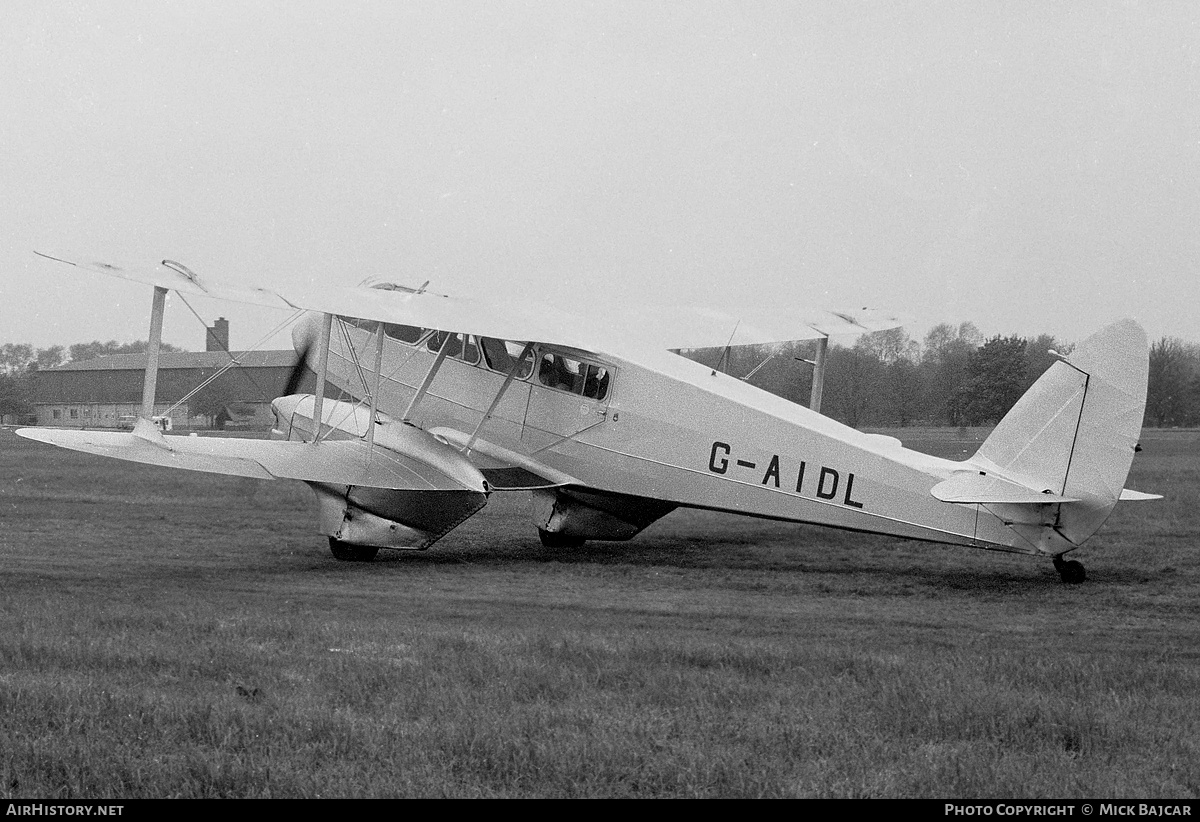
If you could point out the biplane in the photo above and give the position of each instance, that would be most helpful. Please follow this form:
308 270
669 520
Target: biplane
443 401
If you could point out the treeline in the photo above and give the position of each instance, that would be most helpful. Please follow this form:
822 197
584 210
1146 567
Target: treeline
955 377
20 361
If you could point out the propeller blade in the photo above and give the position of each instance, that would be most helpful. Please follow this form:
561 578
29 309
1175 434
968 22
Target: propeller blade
298 373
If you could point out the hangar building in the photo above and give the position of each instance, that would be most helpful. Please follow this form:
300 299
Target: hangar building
106 392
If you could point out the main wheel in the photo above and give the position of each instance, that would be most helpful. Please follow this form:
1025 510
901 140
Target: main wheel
1072 572
554 540
348 552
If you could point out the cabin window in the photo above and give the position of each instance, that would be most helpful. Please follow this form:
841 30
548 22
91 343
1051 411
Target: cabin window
566 374
452 343
358 322
57 414
560 372
459 346
595 382
409 334
501 354
470 349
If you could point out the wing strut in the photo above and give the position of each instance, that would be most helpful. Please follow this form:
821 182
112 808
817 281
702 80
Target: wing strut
425 383
818 379
322 373
512 375
150 380
375 389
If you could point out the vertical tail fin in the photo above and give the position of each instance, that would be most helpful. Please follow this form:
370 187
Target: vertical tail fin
1074 432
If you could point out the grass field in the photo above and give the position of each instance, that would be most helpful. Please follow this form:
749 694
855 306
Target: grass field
177 634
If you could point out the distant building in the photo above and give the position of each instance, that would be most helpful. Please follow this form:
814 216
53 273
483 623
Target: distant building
217 337
107 392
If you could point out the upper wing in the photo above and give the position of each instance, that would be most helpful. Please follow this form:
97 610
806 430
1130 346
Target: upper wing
696 327
499 319
624 332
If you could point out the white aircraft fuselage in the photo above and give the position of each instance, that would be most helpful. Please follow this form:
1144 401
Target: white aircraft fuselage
678 432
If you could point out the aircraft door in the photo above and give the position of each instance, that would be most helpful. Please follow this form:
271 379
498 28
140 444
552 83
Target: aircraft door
567 396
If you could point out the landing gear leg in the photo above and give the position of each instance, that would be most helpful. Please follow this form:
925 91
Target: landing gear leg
1071 571
348 552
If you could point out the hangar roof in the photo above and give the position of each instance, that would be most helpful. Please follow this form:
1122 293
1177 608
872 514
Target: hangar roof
183 359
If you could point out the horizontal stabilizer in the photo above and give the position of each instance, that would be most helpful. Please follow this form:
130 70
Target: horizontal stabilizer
970 488
1129 495
335 462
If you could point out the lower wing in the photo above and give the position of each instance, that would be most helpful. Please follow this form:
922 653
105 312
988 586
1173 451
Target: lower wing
425 466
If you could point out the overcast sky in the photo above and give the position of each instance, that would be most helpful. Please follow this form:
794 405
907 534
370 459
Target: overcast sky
1032 167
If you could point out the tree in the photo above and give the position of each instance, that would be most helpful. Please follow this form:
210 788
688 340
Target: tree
995 379
94 349
771 367
774 368
896 382
1038 357
889 346
944 365
18 363
1172 369
15 357
14 395
1191 415
50 357
853 383
903 382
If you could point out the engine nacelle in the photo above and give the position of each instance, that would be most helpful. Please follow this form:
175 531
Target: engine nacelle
384 518
441 486
587 514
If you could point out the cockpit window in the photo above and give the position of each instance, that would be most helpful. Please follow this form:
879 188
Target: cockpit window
566 374
404 333
501 354
358 322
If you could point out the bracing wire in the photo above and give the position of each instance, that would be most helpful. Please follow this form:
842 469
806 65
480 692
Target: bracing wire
233 361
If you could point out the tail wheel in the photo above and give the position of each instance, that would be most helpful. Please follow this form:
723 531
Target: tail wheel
1071 571
348 552
554 540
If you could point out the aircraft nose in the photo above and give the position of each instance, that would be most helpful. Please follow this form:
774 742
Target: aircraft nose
285 407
